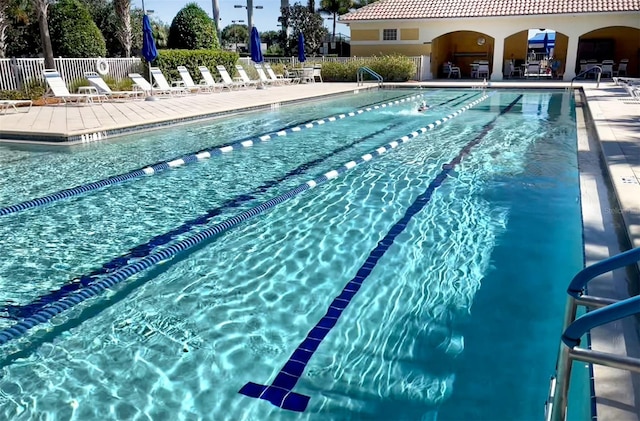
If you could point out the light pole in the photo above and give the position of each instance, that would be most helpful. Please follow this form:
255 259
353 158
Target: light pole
216 19
249 8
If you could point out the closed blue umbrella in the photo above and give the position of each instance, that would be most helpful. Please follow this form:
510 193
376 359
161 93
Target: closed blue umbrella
301 56
545 42
149 51
256 52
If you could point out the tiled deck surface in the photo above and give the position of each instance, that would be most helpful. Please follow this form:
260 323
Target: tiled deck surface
615 118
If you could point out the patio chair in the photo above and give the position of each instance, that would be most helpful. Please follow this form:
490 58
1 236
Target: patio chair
187 82
226 79
449 70
209 81
513 70
6 104
245 77
483 70
143 85
163 85
263 76
59 89
607 68
533 69
101 87
307 75
622 68
317 72
279 79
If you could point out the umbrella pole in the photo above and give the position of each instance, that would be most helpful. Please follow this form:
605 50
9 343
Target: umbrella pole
151 97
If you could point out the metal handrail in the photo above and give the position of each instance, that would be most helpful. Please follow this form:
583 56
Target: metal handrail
585 275
573 329
588 71
360 75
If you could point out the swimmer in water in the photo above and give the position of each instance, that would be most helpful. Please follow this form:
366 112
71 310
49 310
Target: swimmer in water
423 107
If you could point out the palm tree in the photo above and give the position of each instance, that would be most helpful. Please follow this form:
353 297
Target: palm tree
123 11
41 7
334 8
312 6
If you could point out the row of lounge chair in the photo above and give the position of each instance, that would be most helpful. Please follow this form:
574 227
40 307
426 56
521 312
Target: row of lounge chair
99 91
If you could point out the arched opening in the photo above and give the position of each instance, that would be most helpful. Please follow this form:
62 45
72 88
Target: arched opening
535 52
619 44
460 50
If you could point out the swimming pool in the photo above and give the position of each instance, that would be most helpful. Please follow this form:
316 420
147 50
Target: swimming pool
432 246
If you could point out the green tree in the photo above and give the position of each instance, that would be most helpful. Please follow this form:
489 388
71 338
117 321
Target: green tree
22 36
361 3
104 15
193 29
73 32
300 19
334 8
270 38
233 34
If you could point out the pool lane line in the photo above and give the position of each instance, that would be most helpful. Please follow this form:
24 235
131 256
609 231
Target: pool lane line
53 309
280 391
192 157
18 311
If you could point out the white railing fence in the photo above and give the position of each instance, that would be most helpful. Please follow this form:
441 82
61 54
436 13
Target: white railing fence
15 73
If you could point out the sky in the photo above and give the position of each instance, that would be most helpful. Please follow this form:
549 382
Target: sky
265 19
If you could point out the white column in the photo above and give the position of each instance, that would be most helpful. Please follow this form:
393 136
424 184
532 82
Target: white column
572 57
498 53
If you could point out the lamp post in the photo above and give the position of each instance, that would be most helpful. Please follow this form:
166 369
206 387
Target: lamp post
249 8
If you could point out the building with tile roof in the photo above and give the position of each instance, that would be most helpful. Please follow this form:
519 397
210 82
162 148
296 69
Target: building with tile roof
461 32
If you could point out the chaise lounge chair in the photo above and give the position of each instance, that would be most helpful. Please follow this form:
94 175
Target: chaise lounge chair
245 77
59 89
163 85
226 79
263 76
102 88
141 84
279 80
6 104
187 81
208 80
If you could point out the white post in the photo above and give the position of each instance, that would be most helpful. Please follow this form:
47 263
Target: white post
498 53
572 57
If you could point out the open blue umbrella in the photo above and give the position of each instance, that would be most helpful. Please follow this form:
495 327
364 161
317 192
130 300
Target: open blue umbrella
256 52
149 51
301 56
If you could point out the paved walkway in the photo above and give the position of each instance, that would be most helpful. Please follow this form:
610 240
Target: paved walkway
615 118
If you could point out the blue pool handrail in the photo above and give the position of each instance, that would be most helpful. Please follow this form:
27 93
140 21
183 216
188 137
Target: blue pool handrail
579 281
612 312
602 311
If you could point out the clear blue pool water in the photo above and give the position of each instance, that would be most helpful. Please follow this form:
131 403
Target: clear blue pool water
444 327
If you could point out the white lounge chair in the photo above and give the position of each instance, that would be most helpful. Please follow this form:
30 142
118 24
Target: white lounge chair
208 80
226 79
278 80
163 85
142 84
317 72
187 81
6 104
59 89
101 86
245 77
263 76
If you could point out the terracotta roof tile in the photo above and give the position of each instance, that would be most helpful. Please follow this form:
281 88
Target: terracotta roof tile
434 9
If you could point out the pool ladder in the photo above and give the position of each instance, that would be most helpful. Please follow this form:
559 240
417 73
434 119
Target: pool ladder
593 69
361 72
604 310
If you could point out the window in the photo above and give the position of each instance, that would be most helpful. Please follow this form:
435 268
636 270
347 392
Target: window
389 34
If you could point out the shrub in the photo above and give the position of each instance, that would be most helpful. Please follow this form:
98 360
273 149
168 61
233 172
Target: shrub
34 89
169 60
193 29
73 32
393 68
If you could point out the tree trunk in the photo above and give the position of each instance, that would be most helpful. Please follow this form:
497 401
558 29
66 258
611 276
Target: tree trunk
45 39
4 24
123 11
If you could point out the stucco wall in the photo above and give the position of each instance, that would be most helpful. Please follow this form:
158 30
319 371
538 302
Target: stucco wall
513 29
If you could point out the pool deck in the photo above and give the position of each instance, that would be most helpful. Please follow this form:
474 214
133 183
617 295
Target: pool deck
609 159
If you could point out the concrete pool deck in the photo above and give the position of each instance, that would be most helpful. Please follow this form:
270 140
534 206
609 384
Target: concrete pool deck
609 159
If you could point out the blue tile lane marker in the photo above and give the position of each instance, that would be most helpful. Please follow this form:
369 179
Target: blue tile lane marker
280 392
17 311
53 309
190 158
